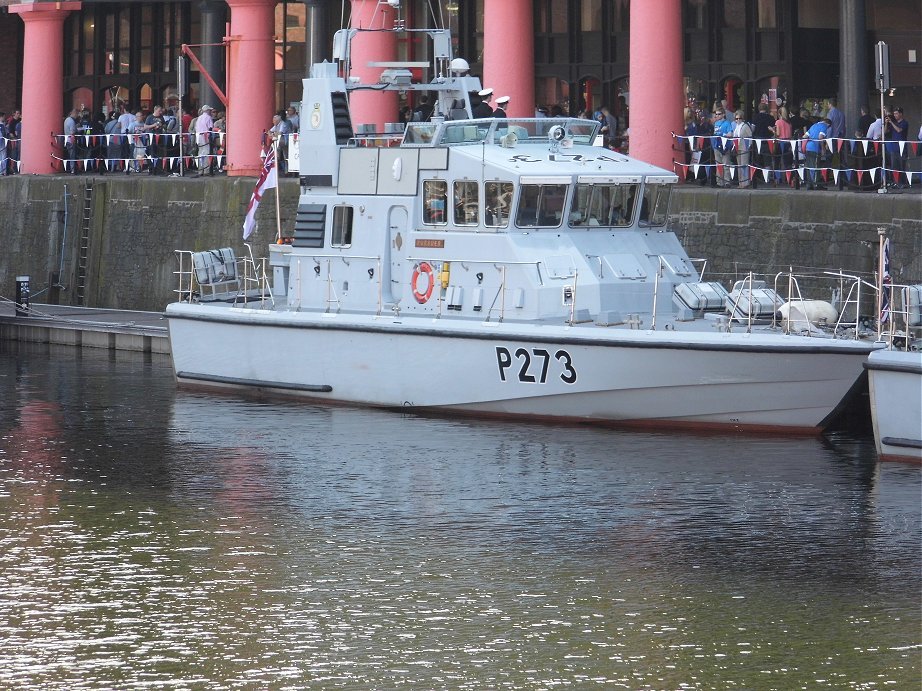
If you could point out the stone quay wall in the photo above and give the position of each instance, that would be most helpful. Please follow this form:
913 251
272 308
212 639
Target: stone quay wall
109 241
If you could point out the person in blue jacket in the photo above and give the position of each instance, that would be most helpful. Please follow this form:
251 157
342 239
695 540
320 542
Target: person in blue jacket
816 137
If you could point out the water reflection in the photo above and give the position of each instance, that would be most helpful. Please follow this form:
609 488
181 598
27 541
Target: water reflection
155 537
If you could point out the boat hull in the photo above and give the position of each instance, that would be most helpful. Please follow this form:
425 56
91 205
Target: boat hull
581 374
895 385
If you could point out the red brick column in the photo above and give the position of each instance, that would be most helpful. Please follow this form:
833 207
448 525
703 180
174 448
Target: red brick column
372 107
509 54
250 82
657 100
42 81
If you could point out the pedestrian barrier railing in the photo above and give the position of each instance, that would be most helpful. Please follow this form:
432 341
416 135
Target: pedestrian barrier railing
134 152
859 162
9 161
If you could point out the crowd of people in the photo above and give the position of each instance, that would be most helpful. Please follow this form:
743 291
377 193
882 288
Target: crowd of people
164 141
802 149
720 147
10 137
285 124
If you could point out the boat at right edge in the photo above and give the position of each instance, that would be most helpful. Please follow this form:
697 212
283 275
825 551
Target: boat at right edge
895 374
895 384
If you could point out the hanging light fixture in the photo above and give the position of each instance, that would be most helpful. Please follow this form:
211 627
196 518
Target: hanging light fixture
451 6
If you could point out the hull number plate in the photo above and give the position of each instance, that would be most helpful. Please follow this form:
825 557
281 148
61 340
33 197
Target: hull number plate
534 365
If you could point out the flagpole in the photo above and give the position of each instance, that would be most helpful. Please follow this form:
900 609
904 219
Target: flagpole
881 236
278 190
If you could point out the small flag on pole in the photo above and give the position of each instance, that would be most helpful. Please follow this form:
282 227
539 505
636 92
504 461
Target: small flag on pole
268 178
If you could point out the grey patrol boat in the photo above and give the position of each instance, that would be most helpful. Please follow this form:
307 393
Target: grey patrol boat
500 267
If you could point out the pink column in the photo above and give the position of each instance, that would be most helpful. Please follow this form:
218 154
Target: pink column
370 107
656 98
509 54
250 82
42 81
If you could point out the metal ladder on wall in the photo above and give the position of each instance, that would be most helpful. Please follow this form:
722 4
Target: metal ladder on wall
84 247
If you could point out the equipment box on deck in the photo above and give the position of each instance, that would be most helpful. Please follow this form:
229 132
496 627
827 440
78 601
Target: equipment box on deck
702 297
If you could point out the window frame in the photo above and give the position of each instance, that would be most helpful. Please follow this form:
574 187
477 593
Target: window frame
341 225
504 188
430 211
543 193
463 203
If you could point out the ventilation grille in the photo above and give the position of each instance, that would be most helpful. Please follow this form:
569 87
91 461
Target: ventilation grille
310 224
341 120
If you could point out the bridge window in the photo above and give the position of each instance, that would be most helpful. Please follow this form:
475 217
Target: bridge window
541 206
603 205
342 227
655 204
435 202
498 197
467 203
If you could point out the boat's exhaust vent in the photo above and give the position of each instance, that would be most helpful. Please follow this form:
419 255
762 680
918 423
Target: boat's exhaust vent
310 225
342 121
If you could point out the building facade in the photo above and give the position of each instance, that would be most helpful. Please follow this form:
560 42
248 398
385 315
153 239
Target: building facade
800 52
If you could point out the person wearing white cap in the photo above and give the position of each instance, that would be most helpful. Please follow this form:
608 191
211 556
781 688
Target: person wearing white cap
501 104
483 109
204 124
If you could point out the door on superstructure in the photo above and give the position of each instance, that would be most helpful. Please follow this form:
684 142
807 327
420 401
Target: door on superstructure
392 264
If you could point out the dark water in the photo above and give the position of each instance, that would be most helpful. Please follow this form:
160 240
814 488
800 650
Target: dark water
151 538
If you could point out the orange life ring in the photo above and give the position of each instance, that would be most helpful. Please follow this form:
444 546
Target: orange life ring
422 296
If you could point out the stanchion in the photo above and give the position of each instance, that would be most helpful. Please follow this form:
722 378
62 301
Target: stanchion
22 296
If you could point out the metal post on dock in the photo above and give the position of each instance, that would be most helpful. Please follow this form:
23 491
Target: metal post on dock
22 296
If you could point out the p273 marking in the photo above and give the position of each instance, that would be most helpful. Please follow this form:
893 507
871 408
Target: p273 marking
534 365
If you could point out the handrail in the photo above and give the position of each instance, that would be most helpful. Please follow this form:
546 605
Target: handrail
899 307
855 288
793 284
496 262
656 277
345 258
246 271
736 305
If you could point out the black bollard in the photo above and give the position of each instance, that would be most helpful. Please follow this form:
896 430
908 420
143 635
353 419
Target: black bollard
22 296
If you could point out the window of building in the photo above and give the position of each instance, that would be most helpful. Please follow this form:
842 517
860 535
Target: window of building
551 17
767 14
147 97
109 64
435 202
818 14
590 15
541 23
498 197
123 52
655 205
734 14
467 203
696 14
621 15
603 205
560 20
145 54
341 235
87 43
541 206
895 15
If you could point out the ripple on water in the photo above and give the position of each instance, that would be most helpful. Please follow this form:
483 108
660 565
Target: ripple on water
156 539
